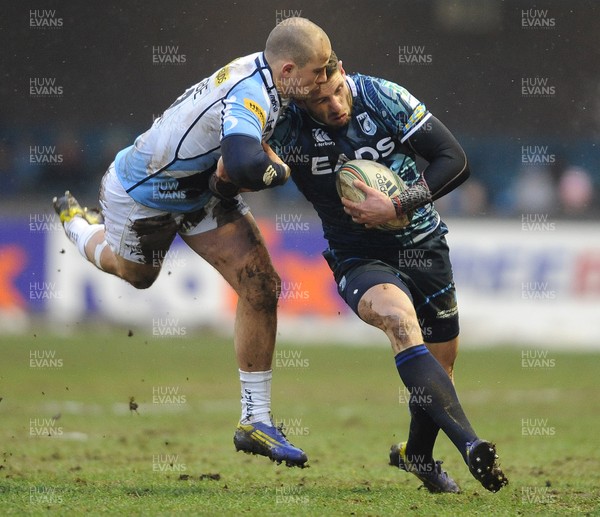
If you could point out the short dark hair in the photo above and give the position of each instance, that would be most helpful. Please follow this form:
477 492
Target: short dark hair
332 65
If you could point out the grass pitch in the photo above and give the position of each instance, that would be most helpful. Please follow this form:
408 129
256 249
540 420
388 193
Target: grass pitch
74 442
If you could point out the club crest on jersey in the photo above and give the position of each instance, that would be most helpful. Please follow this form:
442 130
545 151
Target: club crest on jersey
366 124
321 138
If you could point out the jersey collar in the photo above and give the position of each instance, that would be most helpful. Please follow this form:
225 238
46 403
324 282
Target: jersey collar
267 76
352 86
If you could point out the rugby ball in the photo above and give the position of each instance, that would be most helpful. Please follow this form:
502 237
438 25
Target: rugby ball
375 175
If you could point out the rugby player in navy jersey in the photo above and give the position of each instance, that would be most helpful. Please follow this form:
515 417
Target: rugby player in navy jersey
398 281
163 185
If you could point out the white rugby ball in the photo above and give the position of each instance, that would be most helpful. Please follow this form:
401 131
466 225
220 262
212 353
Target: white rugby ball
375 175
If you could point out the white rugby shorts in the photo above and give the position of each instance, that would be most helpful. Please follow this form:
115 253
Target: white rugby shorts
142 234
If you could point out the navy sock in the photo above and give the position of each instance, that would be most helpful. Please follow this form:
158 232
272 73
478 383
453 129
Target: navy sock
432 390
421 436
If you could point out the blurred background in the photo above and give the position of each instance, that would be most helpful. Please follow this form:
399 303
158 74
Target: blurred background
517 82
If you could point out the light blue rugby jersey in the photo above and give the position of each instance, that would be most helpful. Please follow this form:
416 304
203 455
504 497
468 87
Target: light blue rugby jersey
168 166
384 116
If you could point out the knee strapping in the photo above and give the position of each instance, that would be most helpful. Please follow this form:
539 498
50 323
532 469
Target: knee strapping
84 233
98 253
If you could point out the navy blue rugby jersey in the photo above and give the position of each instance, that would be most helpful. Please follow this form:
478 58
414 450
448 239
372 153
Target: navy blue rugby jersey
384 116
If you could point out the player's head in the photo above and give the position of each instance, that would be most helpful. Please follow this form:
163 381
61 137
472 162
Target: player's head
297 51
331 102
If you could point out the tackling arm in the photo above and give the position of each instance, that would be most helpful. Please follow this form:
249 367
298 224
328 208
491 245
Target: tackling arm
248 166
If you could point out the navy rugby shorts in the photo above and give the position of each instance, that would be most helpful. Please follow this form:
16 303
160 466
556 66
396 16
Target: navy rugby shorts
423 272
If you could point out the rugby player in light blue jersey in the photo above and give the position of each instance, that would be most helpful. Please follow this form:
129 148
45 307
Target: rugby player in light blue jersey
164 185
398 281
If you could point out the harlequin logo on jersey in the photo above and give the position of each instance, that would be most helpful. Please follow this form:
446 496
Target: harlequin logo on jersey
322 139
366 124
257 110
